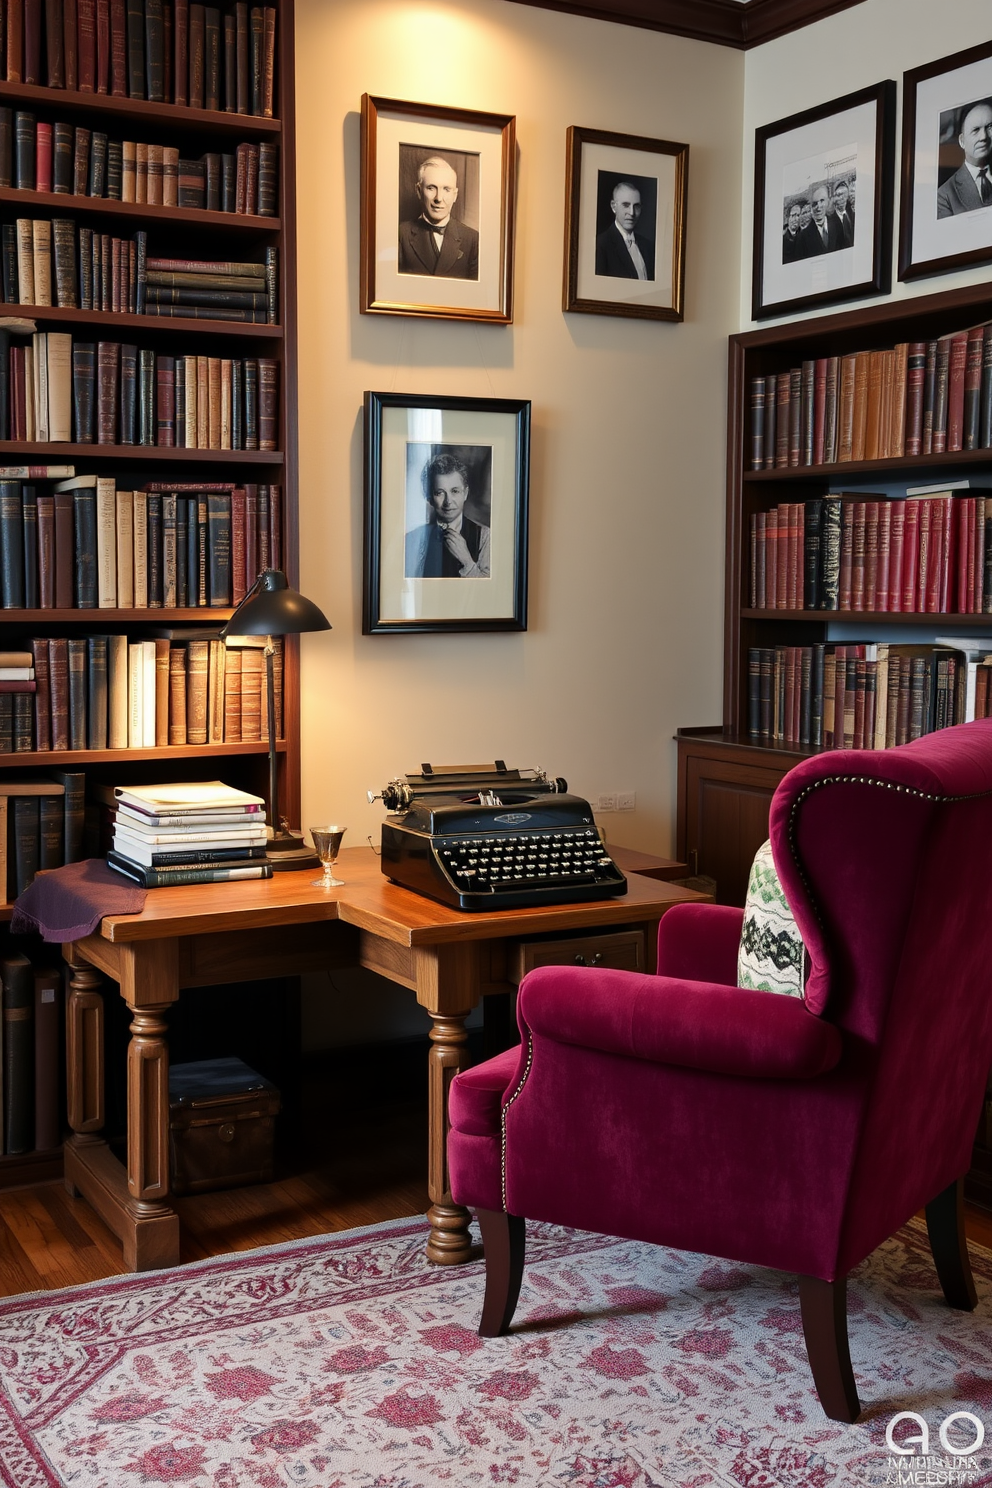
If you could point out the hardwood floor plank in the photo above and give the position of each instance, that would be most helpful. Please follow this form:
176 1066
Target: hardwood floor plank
16 1271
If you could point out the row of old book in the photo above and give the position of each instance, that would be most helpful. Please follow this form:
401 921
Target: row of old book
42 825
72 160
864 695
30 1060
55 389
166 51
39 260
109 692
919 398
187 833
926 554
86 545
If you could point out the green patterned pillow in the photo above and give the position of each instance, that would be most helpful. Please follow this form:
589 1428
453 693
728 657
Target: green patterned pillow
772 955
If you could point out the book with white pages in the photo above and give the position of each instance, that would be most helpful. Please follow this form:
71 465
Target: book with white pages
182 797
175 842
219 819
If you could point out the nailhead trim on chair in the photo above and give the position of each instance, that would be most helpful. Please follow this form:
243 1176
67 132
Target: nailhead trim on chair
520 1086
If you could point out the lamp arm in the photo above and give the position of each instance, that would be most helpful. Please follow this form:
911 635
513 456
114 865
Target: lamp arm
270 702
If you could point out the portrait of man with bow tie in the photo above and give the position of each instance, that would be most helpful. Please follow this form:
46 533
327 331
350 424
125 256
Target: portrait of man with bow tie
438 240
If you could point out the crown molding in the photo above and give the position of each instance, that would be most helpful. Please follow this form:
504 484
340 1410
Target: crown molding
724 22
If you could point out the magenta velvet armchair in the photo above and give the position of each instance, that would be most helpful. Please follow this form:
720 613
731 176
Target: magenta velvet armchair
682 1110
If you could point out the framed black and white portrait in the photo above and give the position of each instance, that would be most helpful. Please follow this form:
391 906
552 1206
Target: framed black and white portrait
625 225
446 485
823 204
945 219
437 211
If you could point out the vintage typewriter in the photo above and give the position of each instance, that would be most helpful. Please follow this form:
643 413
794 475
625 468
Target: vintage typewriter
485 837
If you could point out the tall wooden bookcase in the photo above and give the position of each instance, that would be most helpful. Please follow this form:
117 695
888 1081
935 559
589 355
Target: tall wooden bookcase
725 782
180 233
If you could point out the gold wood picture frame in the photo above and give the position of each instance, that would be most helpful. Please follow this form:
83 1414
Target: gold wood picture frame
437 211
625 225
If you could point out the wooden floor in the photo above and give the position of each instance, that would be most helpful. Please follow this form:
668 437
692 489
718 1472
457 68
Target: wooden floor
361 1159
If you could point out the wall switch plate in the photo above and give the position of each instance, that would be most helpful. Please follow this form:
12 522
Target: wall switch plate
627 801
606 803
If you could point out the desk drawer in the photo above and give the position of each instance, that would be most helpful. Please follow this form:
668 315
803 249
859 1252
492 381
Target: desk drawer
622 950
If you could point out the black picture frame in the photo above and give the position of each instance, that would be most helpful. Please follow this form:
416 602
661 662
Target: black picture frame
816 147
940 229
412 580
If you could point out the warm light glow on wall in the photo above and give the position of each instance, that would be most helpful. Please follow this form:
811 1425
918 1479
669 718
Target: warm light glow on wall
443 51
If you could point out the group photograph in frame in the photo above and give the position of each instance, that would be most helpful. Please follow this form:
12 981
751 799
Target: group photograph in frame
437 211
625 212
945 218
823 182
446 492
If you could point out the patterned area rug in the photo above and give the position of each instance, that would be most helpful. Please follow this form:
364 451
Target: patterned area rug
349 1362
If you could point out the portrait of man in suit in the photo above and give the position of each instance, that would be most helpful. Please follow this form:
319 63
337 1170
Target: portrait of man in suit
843 211
436 239
824 233
450 544
970 187
625 226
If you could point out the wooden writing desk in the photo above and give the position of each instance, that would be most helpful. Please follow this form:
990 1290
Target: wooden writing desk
215 933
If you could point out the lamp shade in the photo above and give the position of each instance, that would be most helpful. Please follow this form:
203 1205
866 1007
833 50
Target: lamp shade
272 607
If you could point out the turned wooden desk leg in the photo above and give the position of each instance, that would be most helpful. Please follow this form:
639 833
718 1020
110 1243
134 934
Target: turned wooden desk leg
448 986
84 1061
149 984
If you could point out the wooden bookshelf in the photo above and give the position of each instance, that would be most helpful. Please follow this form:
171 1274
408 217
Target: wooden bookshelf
186 233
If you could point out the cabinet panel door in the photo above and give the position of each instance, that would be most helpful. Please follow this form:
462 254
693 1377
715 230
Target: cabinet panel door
726 809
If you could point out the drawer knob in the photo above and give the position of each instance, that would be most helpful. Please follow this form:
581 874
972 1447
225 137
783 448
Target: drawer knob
580 960
226 1132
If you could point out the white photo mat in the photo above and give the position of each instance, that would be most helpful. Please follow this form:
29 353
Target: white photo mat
936 238
614 160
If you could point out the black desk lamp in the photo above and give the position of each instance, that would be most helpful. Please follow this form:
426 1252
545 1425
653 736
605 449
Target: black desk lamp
272 608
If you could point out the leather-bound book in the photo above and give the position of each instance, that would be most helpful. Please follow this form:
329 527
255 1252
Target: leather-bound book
6 747
941 393
64 249
170 176
42 696
237 404
17 975
117 691
211 57
180 69
169 537
225 402
165 400
268 180
5 430
84 533
219 549
25 151
153 193
154 51
268 402
252 686
129 170
46 550
211 166
86 239
41 250
70 42
275 526
239 571
6 147
168 24
154 551
272 284
58 358
232 696
128 423
191 189
118 49
64 550
32 42
140 550
15 41
96 691
971 432
47 1028
161 692
83 379
268 61
77 692
202 402
192 552
135 48
102 23
216 672
230 63
11 546
263 531
23 722
73 783
58 667
252 566
115 162
8 244
256 42
107 396
124 523
43 156
214 403
202 558
182 552
29 518
177 695
916 354
80 161
63 145
957 358
18 393
54 44
197 666
251 403
242 101
197 42
86 25
97 183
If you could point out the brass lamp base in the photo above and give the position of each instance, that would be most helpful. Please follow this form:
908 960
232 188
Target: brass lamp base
287 851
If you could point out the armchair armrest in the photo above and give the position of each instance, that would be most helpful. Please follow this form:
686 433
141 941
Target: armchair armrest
699 942
669 1020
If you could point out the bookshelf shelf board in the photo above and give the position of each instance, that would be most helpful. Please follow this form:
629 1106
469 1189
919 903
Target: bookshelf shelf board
60 757
204 614
894 469
192 120
873 617
103 206
115 320
20 1169
157 454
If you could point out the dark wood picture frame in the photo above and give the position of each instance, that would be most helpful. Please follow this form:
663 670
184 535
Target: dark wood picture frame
580 247
958 250
874 273
391 593
387 291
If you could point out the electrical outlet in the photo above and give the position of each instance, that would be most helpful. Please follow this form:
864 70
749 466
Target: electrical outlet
627 801
606 803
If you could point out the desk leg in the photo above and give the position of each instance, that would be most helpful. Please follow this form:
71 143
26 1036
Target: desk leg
448 986
84 1065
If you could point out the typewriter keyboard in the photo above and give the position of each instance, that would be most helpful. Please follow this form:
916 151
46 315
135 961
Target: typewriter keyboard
508 862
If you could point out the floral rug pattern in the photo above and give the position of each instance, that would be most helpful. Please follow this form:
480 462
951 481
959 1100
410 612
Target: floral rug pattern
350 1362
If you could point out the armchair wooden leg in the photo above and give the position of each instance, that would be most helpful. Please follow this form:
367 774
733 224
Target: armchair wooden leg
945 1226
503 1243
824 1312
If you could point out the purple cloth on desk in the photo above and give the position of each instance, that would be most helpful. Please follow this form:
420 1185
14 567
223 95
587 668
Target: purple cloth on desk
68 903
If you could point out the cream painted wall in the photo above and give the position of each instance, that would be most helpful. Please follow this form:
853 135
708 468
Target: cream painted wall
851 50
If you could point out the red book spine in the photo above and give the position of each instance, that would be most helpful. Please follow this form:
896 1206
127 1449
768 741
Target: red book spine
165 401
858 741
18 412
970 545
251 531
819 407
947 527
897 541
911 556
102 45
43 157
915 378
871 555
881 602
771 559
239 556
923 523
275 527
15 41
935 554
782 397
782 590
979 554
963 567
58 669
86 12
846 555
758 565
955 391
858 556
118 48
46 552
70 42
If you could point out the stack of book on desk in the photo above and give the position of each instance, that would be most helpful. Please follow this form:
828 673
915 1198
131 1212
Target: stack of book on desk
204 832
